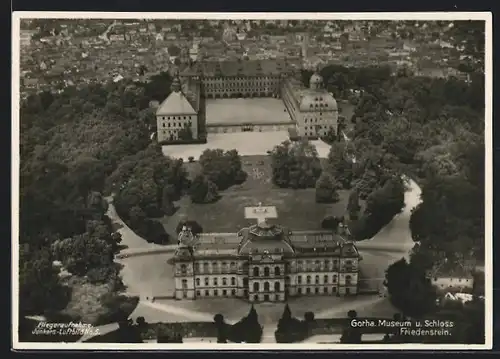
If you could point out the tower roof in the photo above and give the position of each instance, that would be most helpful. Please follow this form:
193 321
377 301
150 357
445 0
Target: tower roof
176 103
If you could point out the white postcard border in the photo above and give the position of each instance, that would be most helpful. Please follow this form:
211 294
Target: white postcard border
485 16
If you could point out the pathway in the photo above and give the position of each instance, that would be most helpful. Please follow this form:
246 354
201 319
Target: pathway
129 238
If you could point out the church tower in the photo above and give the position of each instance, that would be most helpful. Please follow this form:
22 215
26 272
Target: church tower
305 46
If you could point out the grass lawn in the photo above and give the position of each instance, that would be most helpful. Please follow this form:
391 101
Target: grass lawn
297 209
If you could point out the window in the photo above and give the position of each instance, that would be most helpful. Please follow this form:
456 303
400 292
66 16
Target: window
200 267
233 292
308 290
184 284
277 271
316 279
299 290
334 279
183 269
318 265
266 287
216 281
325 279
277 297
198 293
299 279
224 292
327 264
245 282
316 290
197 281
206 280
233 265
299 265
277 286
216 292
224 266
205 267
325 290
233 281
207 293
308 279
266 272
255 271
214 266
348 280
256 287
256 298
224 281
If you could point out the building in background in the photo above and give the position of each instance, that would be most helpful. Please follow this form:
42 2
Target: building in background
265 263
314 110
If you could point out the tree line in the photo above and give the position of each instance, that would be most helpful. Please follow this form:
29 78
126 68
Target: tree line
70 144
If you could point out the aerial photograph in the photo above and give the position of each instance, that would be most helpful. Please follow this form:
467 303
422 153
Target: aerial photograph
250 180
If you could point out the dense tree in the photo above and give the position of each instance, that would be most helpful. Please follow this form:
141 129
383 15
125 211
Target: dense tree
295 165
381 206
409 289
39 287
339 165
353 206
221 328
330 222
202 190
326 189
222 168
247 330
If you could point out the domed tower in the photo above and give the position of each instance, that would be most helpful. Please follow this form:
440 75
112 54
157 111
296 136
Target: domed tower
176 84
184 265
316 81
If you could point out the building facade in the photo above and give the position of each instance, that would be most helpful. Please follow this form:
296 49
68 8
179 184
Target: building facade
181 114
265 263
314 110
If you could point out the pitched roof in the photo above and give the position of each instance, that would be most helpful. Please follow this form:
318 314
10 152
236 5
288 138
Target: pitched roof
176 104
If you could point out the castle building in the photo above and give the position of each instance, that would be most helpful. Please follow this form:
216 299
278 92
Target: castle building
265 263
180 114
312 111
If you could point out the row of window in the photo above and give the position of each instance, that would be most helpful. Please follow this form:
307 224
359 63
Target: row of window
348 279
175 124
215 281
239 85
311 120
222 267
265 78
176 117
267 286
317 290
318 105
267 271
224 292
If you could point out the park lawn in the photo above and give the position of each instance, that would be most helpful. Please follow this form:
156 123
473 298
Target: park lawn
297 209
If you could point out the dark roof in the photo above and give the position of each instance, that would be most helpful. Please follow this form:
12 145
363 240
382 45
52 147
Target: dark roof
265 239
272 67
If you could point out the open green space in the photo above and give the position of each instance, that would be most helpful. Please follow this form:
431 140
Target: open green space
297 208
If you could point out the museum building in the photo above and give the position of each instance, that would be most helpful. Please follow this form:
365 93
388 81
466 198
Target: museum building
265 262
312 111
